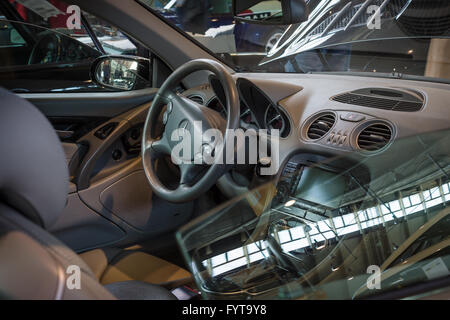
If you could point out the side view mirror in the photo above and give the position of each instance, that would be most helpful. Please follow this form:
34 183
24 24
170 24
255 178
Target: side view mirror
121 72
270 12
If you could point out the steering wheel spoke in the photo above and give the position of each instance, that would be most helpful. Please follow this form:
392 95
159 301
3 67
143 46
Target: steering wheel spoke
157 148
189 173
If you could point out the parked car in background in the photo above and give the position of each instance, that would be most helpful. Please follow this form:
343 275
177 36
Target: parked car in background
93 31
220 20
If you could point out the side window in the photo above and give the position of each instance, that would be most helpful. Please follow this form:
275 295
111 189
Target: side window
112 40
49 46
9 36
66 19
54 15
221 7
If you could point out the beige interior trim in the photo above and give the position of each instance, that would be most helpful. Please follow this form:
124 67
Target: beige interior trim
138 266
96 260
438 62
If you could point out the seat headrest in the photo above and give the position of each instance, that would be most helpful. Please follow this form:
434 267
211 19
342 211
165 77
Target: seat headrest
33 170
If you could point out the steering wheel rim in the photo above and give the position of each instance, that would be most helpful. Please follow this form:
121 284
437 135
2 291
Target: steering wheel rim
153 148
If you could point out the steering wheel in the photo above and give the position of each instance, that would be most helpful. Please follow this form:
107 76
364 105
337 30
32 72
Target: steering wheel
183 113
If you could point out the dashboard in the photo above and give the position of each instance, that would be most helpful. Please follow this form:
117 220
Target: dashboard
349 143
335 115
257 110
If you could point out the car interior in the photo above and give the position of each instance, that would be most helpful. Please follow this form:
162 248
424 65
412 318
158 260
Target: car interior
87 172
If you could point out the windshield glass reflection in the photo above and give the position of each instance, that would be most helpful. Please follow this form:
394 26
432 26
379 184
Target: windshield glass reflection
319 230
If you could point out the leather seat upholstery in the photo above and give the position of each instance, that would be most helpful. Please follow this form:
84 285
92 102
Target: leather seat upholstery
33 190
112 265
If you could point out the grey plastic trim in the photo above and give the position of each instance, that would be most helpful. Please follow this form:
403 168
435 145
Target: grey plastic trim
89 104
230 188
82 228
97 146
170 219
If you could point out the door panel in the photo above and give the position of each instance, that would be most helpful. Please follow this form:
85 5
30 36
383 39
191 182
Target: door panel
81 228
110 200
70 129
91 104
126 199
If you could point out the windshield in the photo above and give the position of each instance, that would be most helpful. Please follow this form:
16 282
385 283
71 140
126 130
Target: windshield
394 38
323 232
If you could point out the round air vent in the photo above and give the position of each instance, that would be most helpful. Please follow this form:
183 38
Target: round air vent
374 137
320 126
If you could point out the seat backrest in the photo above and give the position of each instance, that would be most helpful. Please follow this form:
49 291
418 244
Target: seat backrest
36 265
33 191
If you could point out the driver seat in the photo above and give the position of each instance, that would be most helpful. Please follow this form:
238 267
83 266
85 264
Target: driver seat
33 191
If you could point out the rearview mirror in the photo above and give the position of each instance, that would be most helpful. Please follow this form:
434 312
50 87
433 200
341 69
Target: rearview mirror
121 72
270 12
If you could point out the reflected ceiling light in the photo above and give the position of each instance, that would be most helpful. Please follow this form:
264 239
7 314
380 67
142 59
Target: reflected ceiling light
290 203
321 247
350 273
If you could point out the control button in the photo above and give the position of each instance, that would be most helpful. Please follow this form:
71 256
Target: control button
117 155
169 107
352 117
165 118
331 138
265 163
336 138
136 134
105 131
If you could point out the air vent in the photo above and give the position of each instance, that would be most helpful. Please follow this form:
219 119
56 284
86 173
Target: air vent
321 126
381 98
197 98
374 137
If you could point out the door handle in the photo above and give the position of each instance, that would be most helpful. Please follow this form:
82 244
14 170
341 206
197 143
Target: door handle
65 134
